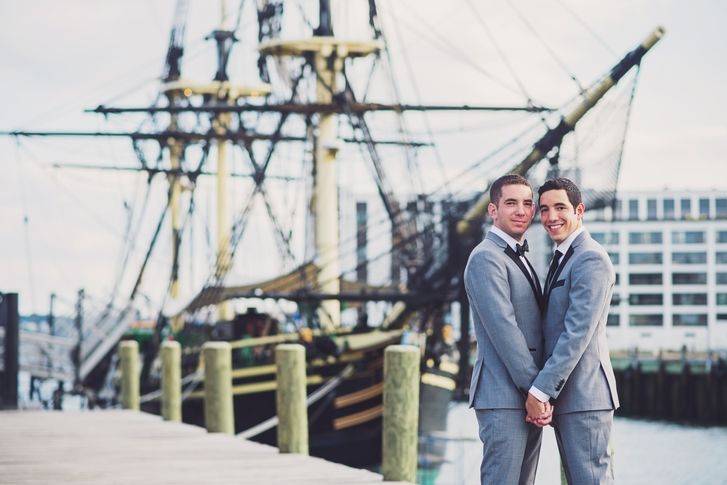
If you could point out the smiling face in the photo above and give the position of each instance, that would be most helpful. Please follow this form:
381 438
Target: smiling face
558 216
515 210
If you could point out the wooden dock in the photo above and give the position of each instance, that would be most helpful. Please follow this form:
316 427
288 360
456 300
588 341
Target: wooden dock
126 447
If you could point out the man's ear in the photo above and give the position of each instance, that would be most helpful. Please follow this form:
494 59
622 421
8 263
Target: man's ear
491 210
534 208
580 210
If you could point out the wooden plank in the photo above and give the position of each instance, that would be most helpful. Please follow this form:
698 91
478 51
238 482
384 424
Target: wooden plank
121 447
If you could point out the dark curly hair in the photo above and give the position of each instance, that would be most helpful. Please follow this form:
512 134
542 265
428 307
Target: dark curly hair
562 183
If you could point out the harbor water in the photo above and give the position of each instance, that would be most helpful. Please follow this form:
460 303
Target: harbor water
646 452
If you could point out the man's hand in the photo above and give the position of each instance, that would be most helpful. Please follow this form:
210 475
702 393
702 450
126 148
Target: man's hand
539 413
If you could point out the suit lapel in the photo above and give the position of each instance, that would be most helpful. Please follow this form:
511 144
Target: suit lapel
533 285
557 273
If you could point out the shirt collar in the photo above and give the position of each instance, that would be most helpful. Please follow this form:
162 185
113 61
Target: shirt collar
511 241
565 245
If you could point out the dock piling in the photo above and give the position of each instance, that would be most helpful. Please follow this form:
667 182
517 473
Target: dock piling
129 356
171 381
401 413
218 410
290 399
10 321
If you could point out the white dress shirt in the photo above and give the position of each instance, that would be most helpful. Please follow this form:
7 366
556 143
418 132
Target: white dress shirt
563 248
511 241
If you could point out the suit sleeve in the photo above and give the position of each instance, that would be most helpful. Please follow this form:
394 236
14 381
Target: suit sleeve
488 290
588 295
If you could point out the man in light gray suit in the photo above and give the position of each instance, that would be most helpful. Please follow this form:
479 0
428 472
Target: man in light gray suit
505 296
577 377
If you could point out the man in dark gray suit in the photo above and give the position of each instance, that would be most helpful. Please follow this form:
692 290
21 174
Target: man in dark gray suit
577 377
505 296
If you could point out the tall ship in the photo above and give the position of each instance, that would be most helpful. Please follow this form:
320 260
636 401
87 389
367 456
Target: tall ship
311 204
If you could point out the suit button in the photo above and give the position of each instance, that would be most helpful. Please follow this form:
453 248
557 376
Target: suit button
560 384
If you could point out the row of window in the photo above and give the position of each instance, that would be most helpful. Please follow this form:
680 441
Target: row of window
669 208
677 299
656 320
656 237
676 279
677 257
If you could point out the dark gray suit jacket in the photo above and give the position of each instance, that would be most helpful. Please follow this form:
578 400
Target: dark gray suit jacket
577 372
507 321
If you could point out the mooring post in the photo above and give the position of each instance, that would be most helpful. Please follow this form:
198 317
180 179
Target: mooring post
290 399
401 413
129 355
171 381
218 411
10 321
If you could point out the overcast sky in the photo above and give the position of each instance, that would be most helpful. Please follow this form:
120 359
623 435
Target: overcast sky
61 229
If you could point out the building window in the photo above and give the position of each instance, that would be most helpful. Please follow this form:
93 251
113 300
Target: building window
646 279
722 278
722 236
689 299
689 258
614 257
722 317
651 209
687 237
605 237
645 237
669 212
704 208
721 208
721 257
613 320
690 320
721 298
615 299
686 206
634 209
689 278
646 320
645 258
646 299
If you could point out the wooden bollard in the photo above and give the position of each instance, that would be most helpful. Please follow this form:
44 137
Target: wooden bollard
129 355
290 399
171 381
401 413
218 411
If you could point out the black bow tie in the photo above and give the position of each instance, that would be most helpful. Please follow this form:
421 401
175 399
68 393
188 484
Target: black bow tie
521 249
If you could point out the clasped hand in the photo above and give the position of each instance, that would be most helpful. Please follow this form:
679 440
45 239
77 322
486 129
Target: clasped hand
539 413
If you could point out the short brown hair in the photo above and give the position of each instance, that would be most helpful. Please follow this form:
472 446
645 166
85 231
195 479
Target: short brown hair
509 179
562 183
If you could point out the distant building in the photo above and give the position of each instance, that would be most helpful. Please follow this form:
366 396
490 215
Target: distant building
669 249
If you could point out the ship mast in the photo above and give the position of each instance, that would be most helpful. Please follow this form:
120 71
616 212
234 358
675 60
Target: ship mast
328 55
222 94
475 216
224 40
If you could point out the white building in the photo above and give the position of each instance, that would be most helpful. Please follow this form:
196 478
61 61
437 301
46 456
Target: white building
669 250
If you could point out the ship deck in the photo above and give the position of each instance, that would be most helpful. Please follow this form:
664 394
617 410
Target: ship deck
106 447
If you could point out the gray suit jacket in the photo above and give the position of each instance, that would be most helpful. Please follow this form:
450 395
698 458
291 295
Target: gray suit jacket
577 372
507 321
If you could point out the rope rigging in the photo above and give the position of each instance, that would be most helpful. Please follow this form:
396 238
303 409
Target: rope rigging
547 47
